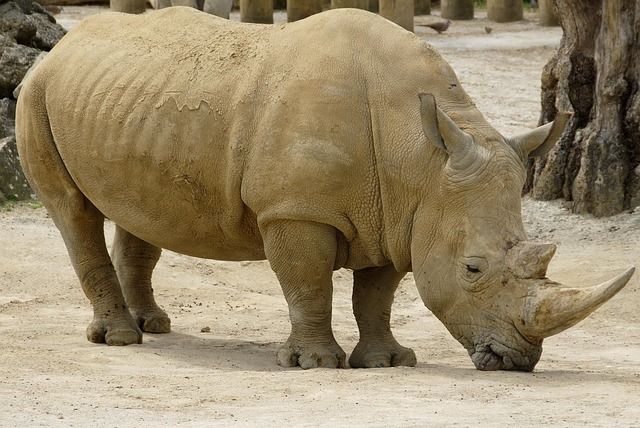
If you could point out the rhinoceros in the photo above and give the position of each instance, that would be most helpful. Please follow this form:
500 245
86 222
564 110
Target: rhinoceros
339 141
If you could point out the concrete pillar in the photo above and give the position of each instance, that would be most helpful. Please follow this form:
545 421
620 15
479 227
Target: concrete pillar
299 9
422 7
258 11
128 6
398 11
360 4
188 3
456 9
547 15
219 8
504 10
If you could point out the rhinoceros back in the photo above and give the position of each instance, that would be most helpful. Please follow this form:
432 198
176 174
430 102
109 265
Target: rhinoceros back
188 130
145 117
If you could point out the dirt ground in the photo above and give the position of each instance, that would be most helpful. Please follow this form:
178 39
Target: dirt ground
588 376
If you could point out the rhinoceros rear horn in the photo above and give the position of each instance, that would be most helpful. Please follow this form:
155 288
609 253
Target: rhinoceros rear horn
552 308
539 141
443 132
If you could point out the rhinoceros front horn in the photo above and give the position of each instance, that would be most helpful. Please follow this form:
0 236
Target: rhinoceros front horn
552 308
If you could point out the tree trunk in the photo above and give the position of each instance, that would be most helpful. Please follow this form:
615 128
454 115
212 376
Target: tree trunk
504 10
299 9
398 11
258 11
360 4
595 74
422 7
128 6
456 9
547 16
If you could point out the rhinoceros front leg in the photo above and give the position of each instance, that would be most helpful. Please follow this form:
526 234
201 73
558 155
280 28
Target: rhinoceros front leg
373 291
302 254
134 260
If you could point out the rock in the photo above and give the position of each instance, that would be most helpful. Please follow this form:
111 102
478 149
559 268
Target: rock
37 8
27 31
14 62
7 117
15 24
13 184
18 88
48 33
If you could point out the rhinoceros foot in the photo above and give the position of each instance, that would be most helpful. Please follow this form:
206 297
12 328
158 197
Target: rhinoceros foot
387 353
308 356
116 331
152 320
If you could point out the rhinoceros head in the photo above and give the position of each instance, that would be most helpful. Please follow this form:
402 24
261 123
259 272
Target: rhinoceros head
473 265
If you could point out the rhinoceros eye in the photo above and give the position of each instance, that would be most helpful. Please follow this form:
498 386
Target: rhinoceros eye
472 272
473 269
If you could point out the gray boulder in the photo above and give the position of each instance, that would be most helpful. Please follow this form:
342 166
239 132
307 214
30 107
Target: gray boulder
13 184
14 62
48 33
7 115
27 32
14 23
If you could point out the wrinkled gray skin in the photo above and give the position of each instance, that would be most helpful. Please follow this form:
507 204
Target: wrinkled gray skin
337 141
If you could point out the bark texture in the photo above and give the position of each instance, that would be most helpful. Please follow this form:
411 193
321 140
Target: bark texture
595 73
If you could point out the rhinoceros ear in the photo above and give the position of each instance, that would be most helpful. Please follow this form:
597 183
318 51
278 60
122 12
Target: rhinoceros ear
539 141
442 132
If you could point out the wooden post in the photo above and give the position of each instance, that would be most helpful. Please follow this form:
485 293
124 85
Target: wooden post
128 6
456 9
398 11
547 16
360 4
258 11
219 8
299 9
422 7
373 6
504 10
188 3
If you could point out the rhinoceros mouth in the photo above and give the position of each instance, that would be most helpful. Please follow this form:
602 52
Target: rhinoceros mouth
495 355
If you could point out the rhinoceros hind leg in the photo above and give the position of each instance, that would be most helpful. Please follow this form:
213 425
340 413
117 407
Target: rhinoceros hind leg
302 254
373 291
79 221
81 226
134 260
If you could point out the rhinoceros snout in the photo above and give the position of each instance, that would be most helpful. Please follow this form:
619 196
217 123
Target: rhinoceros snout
496 356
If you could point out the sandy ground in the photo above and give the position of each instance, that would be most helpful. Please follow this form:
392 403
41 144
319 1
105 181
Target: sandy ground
588 376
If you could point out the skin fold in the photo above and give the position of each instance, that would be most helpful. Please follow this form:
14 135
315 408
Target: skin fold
337 141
